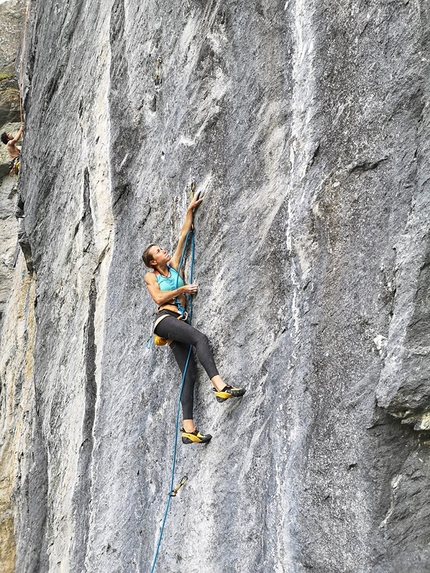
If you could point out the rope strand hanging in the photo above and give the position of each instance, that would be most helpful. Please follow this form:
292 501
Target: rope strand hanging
21 67
173 490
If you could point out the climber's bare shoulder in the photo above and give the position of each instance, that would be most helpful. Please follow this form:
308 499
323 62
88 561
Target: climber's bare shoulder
150 278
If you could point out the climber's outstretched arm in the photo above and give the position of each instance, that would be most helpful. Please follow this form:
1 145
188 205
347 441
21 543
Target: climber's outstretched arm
17 137
186 227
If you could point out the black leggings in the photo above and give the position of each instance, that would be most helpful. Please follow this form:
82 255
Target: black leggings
182 335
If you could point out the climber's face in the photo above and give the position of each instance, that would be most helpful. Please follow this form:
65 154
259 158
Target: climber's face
159 256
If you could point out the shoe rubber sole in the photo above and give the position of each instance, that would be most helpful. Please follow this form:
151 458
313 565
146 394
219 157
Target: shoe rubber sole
188 438
223 395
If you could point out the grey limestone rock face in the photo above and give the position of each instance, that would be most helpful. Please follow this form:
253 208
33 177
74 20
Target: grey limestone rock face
12 16
306 124
11 19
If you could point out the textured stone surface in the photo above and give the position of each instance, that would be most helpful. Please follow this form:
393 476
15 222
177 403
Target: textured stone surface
16 304
17 408
8 227
12 16
307 125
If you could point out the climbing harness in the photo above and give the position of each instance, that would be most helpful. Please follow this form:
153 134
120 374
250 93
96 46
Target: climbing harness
14 166
158 340
183 314
173 490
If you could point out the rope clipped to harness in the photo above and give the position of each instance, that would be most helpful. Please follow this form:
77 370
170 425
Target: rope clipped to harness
173 491
159 340
184 315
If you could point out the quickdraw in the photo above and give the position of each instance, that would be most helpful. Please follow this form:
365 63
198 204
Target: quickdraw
178 487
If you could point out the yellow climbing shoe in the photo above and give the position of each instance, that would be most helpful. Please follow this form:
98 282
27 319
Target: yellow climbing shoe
228 392
195 437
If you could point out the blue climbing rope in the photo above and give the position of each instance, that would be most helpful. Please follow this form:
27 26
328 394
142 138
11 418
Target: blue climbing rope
172 478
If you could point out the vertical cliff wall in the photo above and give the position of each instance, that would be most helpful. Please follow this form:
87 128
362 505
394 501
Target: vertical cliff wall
12 19
307 126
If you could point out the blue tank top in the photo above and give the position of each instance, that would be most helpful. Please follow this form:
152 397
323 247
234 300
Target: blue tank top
172 282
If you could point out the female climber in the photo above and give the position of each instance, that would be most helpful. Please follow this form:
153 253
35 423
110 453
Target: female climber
167 288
